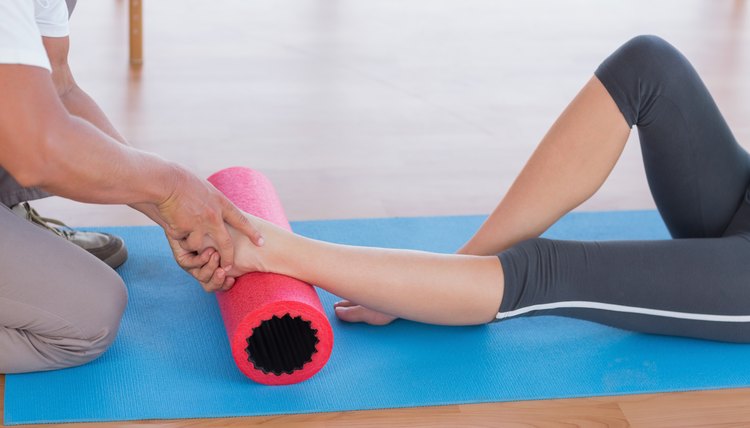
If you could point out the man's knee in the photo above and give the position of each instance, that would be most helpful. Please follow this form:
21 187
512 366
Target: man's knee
106 312
99 325
71 340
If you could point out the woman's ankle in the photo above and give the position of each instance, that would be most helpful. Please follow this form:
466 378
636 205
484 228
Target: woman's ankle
277 255
274 256
248 257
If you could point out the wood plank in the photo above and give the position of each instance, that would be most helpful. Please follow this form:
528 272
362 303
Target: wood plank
729 407
685 409
435 119
135 21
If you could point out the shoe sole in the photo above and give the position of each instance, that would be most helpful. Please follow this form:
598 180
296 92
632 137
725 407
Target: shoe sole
118 258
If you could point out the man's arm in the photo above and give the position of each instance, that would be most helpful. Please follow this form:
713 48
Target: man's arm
79 103
44 146
76 100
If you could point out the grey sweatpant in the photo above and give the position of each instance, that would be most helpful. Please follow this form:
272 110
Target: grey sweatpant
59 305
695 285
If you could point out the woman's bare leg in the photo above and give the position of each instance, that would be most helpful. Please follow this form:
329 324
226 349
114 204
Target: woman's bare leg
570 164
427 287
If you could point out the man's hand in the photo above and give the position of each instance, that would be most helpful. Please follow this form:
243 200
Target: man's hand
204 267
191 211
195 216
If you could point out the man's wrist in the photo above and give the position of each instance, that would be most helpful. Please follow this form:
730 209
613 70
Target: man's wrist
163 185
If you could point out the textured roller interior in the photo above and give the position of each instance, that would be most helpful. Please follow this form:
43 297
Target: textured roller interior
282 345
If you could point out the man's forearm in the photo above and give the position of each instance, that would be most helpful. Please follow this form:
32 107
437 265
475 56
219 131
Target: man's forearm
80 104
76 101
85 164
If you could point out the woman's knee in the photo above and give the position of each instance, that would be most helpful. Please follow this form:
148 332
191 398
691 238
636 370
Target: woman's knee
652 60
647 46
647 59
642 70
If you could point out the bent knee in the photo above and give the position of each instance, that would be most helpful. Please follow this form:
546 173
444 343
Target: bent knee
650 56
642 71
98 325
647 44
106 310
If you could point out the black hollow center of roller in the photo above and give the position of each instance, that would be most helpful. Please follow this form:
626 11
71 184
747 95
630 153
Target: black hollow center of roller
282 345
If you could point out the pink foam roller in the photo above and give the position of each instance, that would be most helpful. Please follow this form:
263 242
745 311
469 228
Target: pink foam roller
277 328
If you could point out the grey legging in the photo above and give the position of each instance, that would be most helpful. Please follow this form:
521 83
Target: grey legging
695 285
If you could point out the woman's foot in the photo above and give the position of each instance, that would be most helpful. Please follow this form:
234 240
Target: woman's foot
249 257
352 312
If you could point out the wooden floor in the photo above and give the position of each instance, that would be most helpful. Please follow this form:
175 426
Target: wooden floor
371 108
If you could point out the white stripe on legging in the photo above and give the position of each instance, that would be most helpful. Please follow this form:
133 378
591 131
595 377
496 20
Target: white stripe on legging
621 308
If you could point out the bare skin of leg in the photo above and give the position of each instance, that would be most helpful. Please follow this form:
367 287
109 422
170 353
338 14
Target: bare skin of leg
447 289
570 164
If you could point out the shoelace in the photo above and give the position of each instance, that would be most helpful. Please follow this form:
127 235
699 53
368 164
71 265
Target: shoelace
62 229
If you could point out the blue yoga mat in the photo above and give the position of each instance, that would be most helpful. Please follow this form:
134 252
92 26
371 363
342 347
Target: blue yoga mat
172 359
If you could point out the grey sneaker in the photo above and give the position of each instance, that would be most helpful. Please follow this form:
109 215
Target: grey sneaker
108 248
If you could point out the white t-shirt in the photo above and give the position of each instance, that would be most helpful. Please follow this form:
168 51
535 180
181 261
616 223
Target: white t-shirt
22 25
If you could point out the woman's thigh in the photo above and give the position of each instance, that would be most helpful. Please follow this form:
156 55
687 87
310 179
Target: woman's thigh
696 170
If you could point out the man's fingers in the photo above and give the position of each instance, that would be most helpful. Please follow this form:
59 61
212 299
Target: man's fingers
216 282
191 260
228 283
194 241
225 247
204 273
237 219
